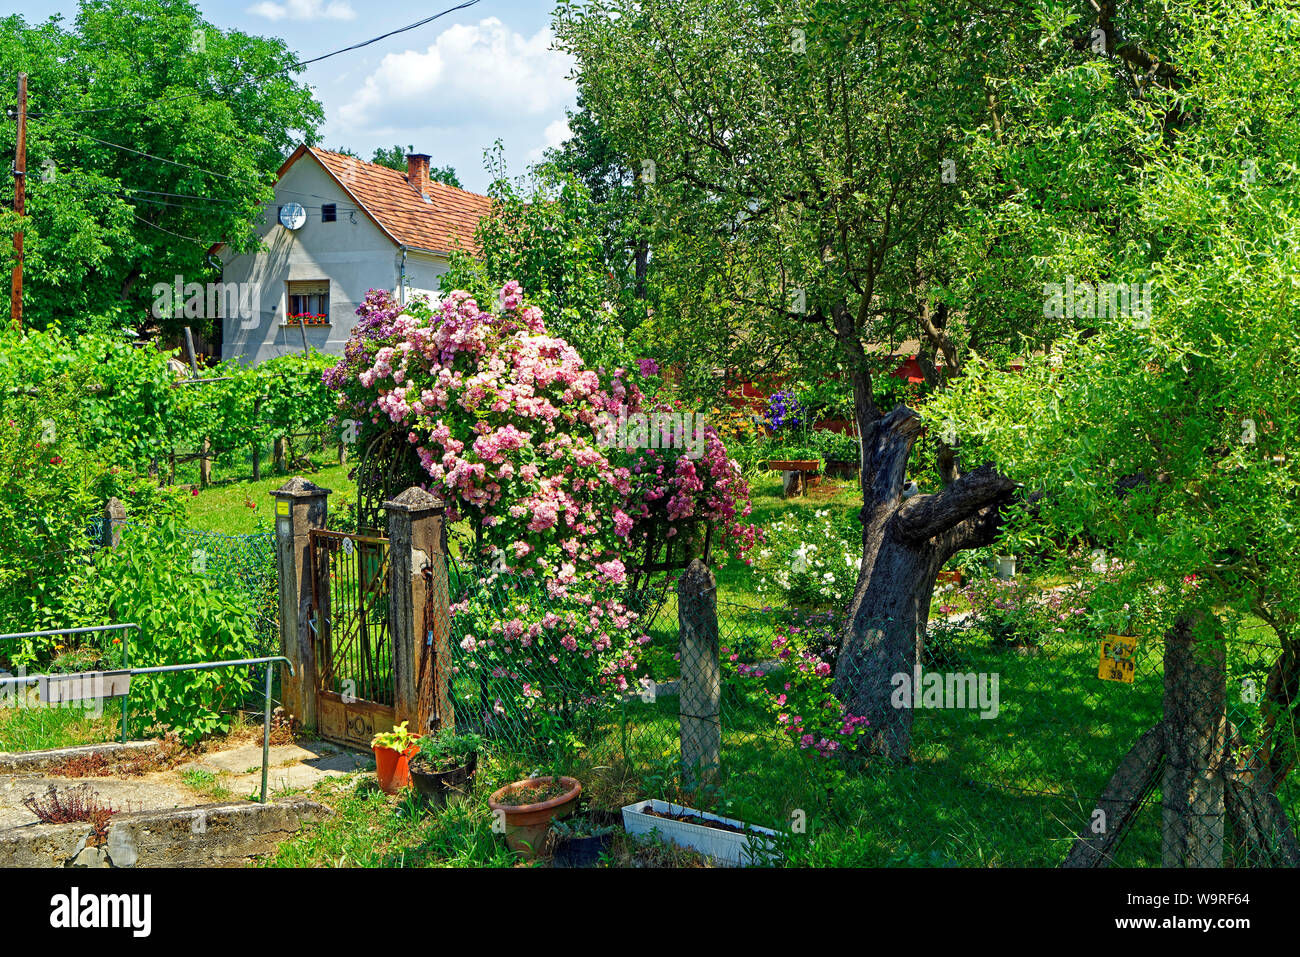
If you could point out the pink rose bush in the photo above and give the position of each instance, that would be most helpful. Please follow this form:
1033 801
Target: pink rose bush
510 427
797 691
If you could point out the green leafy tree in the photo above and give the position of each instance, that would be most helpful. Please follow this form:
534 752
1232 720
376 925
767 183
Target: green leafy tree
1168 439
547 239
201 119
826 180
612 184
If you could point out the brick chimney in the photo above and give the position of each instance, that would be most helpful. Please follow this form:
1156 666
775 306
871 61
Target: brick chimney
417 171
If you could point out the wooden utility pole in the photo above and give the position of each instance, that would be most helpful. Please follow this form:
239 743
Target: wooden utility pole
20 205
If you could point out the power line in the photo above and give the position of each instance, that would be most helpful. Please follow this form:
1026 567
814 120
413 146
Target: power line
160 159
197 242
341 208
155 192
297 65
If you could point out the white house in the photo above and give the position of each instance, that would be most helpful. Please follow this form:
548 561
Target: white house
338 228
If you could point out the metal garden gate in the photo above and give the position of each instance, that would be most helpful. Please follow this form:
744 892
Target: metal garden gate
355 688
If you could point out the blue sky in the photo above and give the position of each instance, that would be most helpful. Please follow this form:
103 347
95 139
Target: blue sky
450 88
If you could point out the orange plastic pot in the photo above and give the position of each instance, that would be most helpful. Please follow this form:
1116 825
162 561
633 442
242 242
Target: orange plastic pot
527 825
393 768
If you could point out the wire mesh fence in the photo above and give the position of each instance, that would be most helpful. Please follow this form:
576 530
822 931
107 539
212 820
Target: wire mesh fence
243 565
979 747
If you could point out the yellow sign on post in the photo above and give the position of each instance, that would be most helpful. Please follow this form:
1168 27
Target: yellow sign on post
1116 662
281 506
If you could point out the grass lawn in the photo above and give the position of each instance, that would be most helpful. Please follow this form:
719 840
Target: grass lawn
38 728
236 506
1010 791
1007 792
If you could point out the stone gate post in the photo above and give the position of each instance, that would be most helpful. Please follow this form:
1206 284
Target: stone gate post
418 618
300 506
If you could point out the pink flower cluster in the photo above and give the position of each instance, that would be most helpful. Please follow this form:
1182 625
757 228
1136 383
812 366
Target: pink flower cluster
804 707
505 421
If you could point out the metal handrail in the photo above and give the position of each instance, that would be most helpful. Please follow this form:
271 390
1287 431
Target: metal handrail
126 647
198 666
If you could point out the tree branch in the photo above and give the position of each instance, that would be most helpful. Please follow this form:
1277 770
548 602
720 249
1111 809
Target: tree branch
926 516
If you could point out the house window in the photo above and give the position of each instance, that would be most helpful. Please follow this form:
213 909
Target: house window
328 213
309 301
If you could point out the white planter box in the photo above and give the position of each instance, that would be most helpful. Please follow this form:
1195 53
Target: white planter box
724 847
1006 566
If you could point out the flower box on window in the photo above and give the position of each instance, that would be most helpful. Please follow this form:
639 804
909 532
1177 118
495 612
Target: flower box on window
307 319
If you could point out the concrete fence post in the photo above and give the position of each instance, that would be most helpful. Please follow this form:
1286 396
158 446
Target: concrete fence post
700 691
114 519
1195 730
300 506
417 608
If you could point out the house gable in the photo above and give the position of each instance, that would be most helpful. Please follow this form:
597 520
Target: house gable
384 232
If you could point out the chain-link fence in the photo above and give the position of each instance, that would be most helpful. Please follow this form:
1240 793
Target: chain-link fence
980 748
243 565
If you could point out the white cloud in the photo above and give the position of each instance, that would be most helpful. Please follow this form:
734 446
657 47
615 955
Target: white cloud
556 132
304 10
474 74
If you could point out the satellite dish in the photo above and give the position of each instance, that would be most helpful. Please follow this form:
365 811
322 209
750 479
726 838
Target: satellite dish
292 216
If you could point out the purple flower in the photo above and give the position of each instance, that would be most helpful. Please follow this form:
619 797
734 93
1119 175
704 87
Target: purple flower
784 411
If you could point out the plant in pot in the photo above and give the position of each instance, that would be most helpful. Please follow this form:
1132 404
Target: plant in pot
841 453
581 839
528 807
393 750
444 765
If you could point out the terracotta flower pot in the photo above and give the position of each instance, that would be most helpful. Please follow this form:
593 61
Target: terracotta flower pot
528 824
393 768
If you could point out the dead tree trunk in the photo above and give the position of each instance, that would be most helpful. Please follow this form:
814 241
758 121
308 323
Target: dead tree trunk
904 544
1281 692
1208 782
256 447
1262 834
1129 787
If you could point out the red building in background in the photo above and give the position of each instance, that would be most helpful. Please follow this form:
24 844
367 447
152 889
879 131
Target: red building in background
751 396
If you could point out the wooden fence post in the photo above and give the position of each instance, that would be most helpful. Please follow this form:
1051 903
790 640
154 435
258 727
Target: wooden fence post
1195 729
257 443
300 506
417 606
205 464
700 694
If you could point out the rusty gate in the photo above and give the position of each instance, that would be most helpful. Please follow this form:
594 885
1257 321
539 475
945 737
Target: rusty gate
355 689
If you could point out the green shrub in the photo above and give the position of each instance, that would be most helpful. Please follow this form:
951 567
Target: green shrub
53 486
183 617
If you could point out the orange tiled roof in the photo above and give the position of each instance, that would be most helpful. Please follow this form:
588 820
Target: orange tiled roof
443 223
